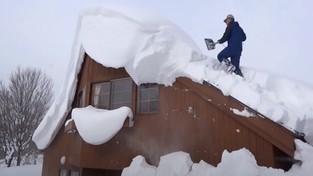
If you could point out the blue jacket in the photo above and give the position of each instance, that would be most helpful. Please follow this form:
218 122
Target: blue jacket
234 35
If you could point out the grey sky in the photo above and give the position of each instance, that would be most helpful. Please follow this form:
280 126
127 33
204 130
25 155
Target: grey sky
40 33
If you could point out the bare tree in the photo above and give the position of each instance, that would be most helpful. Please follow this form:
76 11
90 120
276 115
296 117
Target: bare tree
23 104
4 143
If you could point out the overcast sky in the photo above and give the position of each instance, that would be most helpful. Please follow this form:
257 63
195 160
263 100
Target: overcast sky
40 33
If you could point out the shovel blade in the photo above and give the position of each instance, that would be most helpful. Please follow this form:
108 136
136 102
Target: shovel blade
209 44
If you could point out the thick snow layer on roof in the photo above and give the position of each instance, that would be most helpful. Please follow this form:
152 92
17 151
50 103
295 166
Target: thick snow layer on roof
97 126
151 49
155 50
138 42
236 163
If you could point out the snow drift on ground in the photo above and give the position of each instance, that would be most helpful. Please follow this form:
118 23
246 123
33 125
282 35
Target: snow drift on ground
27 170
97 126
155 50
236 163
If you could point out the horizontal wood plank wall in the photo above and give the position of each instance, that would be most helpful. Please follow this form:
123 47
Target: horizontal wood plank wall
192 118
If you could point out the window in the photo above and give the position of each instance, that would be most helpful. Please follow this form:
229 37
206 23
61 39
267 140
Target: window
74 173
113 94
148 101
121 93
101 95
63 172
81 98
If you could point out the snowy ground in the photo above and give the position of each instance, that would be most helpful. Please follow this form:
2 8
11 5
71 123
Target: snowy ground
28 170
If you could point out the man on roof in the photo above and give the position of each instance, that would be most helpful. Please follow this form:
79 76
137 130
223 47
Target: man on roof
234 35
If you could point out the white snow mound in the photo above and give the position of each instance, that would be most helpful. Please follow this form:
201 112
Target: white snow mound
97 126
237 163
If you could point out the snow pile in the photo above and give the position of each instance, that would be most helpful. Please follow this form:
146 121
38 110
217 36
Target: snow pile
173 164
236 163
177 163
139 167
304 153
97 126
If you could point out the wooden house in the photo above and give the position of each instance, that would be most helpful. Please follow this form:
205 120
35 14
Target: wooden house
190 117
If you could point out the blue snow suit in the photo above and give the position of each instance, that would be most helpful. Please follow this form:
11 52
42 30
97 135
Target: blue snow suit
234 35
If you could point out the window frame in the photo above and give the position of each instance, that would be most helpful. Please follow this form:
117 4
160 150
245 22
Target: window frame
81 100
111 91
139 101
63 171
73 172
93 94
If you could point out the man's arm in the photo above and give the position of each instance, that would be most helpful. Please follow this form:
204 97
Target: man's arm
225 36
244 37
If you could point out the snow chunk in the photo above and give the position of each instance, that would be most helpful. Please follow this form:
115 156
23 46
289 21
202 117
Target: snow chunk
244 112
97 126
63 160
237 160
202 168
139 167
306 126
174 164
304 153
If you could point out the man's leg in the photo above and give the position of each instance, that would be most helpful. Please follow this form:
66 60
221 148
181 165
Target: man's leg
235 60
224 54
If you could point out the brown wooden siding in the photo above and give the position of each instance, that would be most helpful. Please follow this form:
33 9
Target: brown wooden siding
60 148
192 118
273 132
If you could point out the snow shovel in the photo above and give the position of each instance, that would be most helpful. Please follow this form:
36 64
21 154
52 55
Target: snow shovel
210 44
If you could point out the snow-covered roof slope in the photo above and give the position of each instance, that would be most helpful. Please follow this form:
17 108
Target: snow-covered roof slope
154 50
